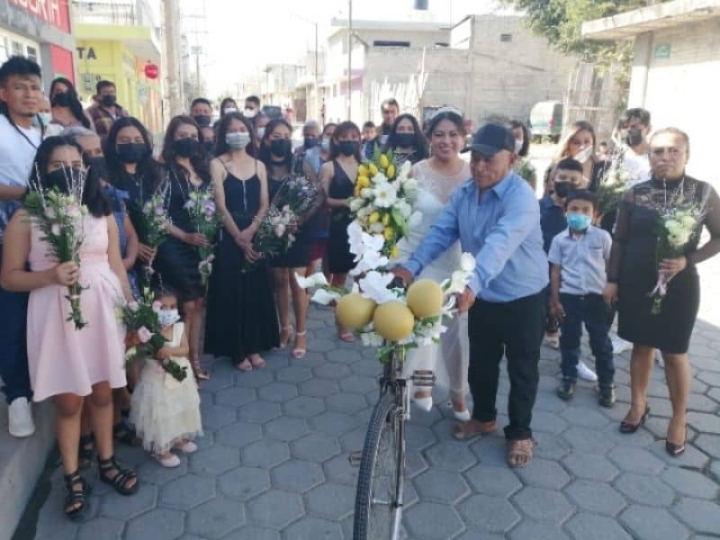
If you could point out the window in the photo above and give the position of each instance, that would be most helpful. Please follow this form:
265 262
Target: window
17 49
3 49
506 38
387 43
32 53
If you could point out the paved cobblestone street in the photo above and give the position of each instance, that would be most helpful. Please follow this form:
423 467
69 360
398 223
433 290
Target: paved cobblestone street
274 461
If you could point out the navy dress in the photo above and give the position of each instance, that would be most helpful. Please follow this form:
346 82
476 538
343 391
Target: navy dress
241 318
340 260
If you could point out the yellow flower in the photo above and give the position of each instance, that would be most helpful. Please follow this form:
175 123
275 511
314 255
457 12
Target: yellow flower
363 170
384 161
372 169
363 181
386 219
389 233
390 171
394 252
357 190
374 217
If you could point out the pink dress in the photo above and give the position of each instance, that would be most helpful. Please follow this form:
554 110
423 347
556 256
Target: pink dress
63 360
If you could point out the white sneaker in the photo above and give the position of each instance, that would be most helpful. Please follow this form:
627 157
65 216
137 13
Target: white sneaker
585 373
619 345
20 420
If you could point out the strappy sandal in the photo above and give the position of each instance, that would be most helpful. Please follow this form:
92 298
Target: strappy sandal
86 451
519 453
200 373
76 497
125 434
462 433
257 361
245 365
119 481
284 343
298 352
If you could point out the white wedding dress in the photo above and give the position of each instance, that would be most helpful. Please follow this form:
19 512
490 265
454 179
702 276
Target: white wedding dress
433 194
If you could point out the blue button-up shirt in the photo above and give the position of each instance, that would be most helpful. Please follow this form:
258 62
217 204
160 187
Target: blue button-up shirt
501 227
582 260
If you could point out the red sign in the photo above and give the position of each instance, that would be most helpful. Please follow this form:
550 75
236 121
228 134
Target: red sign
53 12
151 71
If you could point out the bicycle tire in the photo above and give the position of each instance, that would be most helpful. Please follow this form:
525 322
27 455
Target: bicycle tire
384 421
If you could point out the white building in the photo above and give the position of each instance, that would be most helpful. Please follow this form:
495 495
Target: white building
676 70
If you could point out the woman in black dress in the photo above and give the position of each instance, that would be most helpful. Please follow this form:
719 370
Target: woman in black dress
241 319
276 154
338 177
407 141
185 171
633 273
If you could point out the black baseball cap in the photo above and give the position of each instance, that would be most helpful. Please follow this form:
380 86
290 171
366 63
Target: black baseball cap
491 139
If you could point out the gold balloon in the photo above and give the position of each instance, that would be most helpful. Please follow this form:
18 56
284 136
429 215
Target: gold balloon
355 311
393 321
425 298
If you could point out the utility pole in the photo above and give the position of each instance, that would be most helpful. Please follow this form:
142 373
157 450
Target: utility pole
350 42
172 49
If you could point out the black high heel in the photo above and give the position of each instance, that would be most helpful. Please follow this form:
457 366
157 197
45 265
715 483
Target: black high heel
627 427
673 449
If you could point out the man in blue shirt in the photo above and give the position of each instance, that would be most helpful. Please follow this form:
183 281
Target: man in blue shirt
496 216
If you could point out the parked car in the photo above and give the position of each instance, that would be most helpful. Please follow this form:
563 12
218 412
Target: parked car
272 111
546 120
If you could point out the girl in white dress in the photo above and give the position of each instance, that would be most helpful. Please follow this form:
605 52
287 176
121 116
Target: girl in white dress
437 178
165 411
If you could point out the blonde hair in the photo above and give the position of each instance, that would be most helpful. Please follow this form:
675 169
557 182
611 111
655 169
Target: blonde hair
575 128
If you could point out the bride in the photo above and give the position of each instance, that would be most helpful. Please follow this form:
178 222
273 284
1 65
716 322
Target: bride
437 178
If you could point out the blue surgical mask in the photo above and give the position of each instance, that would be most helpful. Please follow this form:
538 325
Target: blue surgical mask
578 222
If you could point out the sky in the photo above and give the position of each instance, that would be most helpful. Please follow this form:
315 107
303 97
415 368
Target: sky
240 36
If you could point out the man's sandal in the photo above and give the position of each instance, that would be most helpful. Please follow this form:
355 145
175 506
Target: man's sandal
76 500
519 453
122 477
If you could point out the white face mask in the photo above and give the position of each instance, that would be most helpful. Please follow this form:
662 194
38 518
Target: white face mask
518 145
584 155
237 140
45 118
260 132
325 144
168 317
230 110
249 113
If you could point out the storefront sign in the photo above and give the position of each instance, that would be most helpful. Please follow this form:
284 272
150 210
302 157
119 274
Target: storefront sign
662 51
53 12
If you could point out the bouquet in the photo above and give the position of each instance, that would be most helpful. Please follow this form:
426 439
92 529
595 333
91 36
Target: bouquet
678 227
613 187
59 217
152 221
144 338
206 219
299 194
389 317
382 201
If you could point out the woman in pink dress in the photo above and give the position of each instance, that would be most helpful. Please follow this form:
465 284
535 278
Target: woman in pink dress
65 363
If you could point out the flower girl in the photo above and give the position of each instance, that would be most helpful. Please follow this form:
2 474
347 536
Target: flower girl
165 411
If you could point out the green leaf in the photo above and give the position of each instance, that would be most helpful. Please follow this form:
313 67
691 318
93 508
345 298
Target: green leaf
399 221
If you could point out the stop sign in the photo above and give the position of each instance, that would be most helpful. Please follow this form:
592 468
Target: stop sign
151 70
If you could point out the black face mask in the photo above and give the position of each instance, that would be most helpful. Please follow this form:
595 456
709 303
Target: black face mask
96 166
310 142
404 140
132 152
633 137
202 120
108 101
60 178
280 147
348 148
186 147
562 189
61 99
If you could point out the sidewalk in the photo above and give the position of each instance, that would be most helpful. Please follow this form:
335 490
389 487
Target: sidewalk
273 463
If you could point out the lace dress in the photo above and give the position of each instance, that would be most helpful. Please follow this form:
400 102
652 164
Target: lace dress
635 267
165 410
434 192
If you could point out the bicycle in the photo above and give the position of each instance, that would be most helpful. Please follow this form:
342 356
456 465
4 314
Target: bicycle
381 480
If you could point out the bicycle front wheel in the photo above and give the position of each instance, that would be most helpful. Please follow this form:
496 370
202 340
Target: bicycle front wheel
378 500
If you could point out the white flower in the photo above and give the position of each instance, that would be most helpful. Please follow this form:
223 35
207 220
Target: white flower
371 339
279 230
374 286
689 221
404 171
364 212
467 262
404 208
410 185
366 193
458 281
323 297
369 261
310 282
377 228
385 195
671 225
414 220
379 179
356 204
